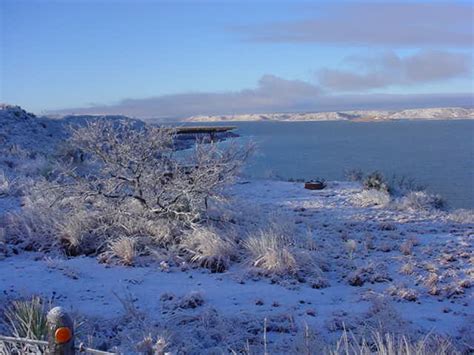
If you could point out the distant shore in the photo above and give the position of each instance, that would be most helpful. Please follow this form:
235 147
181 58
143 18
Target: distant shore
440 113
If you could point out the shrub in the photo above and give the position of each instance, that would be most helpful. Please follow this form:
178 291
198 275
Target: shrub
368 198
422 200
402 185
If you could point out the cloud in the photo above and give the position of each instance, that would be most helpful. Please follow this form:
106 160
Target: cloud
380 24
390 69
272 94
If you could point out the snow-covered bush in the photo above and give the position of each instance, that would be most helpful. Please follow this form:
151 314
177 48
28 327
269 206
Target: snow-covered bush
133 182
368 198
209 248
422 200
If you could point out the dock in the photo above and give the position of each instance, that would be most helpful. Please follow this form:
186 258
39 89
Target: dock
204 129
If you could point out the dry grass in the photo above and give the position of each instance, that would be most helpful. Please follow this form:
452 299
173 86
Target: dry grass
27 318
407 268
406 247
207 248
389 344
403 293
271 252
125 248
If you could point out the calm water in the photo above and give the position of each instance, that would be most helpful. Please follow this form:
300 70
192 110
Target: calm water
438 154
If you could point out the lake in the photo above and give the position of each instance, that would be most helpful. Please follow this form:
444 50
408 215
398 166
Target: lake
437 154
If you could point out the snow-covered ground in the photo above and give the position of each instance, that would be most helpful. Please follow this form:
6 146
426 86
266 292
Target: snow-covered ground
440 246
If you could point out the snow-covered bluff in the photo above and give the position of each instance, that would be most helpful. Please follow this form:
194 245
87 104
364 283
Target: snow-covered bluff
440 113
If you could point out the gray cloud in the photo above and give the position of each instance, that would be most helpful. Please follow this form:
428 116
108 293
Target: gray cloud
384 24
273 94
390 69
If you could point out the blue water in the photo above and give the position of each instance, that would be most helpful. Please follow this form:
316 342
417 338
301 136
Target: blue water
437 154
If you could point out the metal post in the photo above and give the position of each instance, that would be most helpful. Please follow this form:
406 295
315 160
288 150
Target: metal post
60 333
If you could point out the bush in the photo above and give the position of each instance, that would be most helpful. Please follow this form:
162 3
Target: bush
422 200
376 181
367 198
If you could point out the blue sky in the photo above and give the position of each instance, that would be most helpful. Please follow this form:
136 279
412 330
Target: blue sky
176 58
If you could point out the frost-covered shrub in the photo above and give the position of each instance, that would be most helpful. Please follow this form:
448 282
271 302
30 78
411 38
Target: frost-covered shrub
376 181
132 183
422 200
403 293
192 300
402 185
207 248
368 198
462 216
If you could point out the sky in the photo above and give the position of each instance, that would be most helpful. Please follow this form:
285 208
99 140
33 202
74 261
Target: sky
176 58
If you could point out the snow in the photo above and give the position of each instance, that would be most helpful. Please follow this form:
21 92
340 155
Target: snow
92 289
